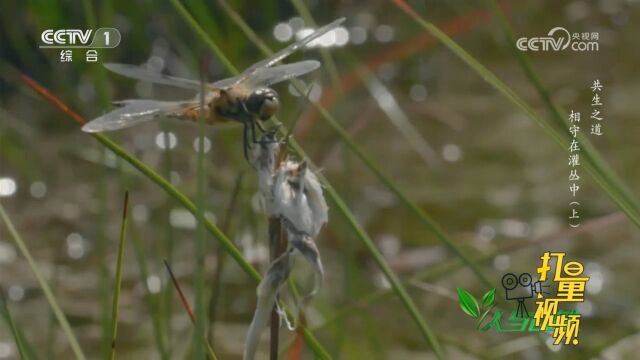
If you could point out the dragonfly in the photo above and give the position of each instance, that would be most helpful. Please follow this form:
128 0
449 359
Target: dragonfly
246 98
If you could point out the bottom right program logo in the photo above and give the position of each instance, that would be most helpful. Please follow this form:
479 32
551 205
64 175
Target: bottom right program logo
553 293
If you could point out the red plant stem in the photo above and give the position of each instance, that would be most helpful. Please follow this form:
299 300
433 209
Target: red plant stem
56 101
183 298
295 352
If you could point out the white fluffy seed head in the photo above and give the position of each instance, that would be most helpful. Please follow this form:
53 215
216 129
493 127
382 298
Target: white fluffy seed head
267 292
264 159
306 247
265 153
316 201
298 197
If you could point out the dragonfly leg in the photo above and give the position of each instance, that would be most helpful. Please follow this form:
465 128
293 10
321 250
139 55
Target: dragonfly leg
269 135
259 124
246 145
252 124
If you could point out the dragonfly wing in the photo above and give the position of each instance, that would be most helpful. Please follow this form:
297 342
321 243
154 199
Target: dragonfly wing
142 73
277 57
133 112
276 74
221 84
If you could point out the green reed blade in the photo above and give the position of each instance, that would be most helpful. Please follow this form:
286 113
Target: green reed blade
62 319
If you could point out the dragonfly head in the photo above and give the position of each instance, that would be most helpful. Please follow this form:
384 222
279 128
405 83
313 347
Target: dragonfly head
263 102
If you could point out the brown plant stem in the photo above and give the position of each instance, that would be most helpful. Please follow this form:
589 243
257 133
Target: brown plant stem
277 247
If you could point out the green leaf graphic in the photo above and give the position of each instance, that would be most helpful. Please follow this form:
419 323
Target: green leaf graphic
489 297
468 303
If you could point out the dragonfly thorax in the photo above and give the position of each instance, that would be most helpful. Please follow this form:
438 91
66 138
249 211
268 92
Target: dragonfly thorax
263 103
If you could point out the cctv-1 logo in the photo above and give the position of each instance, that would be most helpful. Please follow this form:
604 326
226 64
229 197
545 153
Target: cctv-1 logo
77 38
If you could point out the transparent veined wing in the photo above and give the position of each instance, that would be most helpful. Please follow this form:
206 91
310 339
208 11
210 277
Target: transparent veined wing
273 75
278 56
134 112
221 84
142 73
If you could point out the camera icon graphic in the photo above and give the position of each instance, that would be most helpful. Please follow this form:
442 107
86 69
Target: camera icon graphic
520 288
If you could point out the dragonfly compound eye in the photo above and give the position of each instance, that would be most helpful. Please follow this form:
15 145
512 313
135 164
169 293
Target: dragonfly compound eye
263 102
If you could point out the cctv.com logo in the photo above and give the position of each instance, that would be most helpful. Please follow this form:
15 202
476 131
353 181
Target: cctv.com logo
559 39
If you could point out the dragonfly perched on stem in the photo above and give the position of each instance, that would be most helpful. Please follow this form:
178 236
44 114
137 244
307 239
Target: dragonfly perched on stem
246 98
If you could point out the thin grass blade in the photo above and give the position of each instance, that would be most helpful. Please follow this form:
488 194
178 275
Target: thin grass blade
62 319
118 279
17 334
